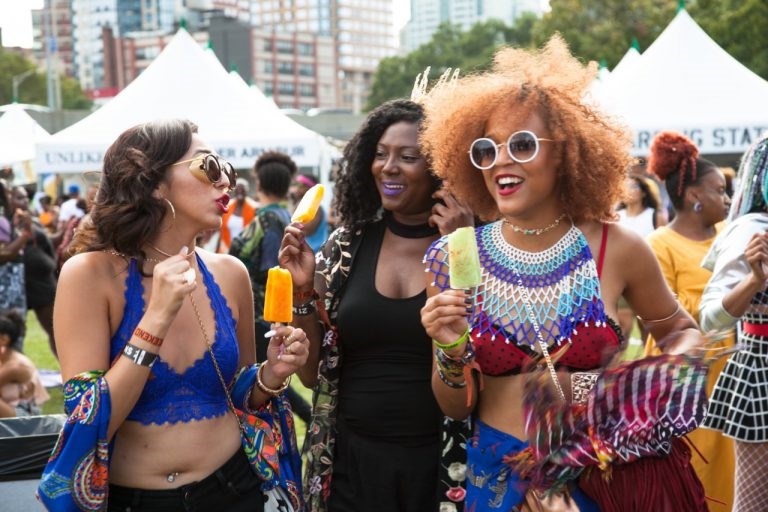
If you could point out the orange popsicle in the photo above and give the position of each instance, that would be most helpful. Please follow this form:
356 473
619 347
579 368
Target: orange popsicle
278 301
307 207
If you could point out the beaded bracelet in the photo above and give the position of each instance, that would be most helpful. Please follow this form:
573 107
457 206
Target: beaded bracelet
265 389
451 384
455 344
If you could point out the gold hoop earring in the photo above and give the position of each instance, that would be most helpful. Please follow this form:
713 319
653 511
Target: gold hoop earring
173 210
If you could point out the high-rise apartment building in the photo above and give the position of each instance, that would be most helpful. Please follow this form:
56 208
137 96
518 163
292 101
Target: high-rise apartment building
297 69
55 32
362 31
78 30
427 15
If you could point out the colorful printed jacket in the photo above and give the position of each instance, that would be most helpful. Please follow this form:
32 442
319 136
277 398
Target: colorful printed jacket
76 477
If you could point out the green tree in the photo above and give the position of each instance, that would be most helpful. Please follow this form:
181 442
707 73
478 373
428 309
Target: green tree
34 88
739 27
449 48
603 29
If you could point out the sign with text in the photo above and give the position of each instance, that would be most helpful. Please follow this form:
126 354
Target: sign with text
711 140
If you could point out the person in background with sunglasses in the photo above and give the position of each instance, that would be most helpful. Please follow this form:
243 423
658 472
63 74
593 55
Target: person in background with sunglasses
240 212
375 442
528 343
156 344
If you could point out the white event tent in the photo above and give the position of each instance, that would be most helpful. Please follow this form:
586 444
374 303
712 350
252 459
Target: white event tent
685 82
186 81
18 135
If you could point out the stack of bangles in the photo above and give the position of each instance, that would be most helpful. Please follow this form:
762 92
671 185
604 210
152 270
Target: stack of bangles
263 387
452 367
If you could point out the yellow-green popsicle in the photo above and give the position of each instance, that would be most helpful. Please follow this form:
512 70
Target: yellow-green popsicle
463 259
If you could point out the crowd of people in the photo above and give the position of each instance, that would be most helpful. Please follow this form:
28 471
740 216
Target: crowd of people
514 394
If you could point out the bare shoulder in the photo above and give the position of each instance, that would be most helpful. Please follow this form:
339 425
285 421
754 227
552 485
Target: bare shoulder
620 241
229 272
92 269
223 266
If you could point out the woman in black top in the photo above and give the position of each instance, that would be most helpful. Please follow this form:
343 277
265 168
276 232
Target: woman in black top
39 268
374 440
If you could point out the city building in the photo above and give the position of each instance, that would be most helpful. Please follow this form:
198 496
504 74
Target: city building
306 53
427 15
126 57
297 69
362 32
55 30
77 28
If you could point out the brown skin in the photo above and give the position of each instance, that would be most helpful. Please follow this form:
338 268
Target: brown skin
739 299
15 368
399 272
629 269
89 308
714 200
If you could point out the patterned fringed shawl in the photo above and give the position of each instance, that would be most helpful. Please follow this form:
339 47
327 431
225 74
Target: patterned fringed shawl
635 410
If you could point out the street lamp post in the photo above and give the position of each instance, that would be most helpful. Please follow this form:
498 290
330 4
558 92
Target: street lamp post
16 81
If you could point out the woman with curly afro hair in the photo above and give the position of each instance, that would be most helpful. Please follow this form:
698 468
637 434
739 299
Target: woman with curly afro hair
736 295
523 151
374 442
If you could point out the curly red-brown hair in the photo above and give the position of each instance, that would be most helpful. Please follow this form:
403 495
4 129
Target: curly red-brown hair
674 158
671 151
594 152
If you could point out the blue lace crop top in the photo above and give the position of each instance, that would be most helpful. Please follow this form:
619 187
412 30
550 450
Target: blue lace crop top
196 393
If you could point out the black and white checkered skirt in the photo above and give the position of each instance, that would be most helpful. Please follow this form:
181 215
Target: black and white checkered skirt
738 406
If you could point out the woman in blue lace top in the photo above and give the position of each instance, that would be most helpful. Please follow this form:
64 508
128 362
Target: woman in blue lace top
156 344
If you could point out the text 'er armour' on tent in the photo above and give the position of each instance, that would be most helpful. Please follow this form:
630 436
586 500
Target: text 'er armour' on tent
186 82
685 82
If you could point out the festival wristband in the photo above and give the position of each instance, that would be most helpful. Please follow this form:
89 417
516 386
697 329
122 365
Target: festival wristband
139 356
149 338
462 339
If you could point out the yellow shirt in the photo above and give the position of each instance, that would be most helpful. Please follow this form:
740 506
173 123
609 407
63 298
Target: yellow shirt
680 260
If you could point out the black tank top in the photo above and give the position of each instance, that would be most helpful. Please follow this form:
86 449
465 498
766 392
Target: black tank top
385 389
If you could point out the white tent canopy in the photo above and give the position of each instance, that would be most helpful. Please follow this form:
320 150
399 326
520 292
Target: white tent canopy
18 135
186 82
685 82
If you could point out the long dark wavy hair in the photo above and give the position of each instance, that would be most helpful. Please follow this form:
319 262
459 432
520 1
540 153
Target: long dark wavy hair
356 198
125 215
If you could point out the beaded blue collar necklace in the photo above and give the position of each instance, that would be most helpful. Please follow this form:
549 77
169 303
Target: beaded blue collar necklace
560 283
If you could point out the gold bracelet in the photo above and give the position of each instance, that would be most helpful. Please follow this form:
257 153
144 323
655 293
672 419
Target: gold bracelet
647 321
265 389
